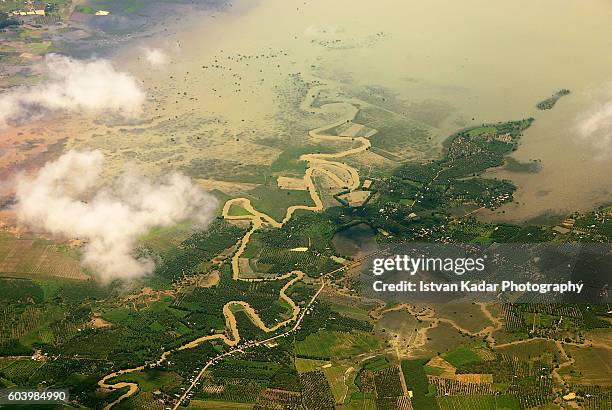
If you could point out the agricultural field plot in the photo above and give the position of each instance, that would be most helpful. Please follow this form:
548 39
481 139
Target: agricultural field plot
437 366
20 371
423 395
592 366
376 363
594 397
23 291
462 355
304 245
237 210
599 336
327 188
51 6
548 320
230 390
374 163
475 402
6 361
534 393
327 344
355 198
219 405
530 350
163 239
308 365
152 380
288 162
351 129
29 324
359 402
341 378
278 398
317 394
502 336
297 184
348 306
274 201
450 387
398 138
504 369
387 382
279 261
38 259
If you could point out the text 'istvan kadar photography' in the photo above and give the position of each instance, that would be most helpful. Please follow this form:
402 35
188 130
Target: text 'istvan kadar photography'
305 205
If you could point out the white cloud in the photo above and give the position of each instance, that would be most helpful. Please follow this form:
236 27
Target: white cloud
64 199
595 127
73 85
155 57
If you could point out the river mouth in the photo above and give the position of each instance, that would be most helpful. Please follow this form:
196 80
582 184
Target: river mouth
355 241
445 78
460 76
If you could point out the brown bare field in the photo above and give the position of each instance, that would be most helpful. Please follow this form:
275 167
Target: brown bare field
371 162
98 322
245 268
351 129
209 280
291 183
599 337
475 378
356 198
28 147
448 370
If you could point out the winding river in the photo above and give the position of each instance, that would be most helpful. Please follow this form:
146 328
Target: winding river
326 164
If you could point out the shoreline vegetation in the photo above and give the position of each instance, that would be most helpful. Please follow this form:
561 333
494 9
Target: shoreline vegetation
550 102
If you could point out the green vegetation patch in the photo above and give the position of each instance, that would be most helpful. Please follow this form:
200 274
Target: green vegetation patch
480 402
150 380
328 344
289 163
398 138
461 356
200 246
20 290
416 380
376 363
550 102
308 365
237 210
274 201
